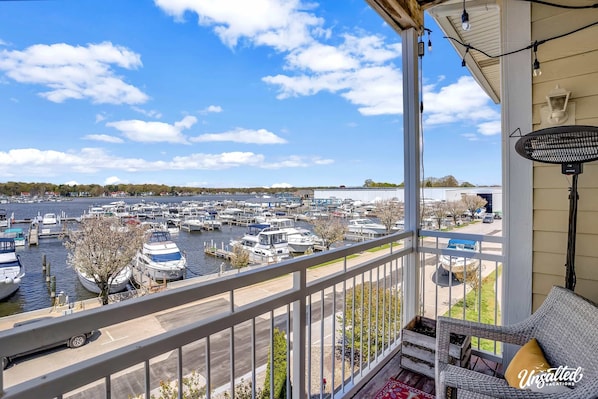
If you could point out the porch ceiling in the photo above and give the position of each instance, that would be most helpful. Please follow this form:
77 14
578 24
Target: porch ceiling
484 16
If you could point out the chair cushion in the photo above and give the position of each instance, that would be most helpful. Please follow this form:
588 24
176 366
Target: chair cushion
529 360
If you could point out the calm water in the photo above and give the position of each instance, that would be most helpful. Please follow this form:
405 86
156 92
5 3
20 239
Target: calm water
34 292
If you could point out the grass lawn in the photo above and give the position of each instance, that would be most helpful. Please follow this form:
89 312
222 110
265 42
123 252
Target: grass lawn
486 313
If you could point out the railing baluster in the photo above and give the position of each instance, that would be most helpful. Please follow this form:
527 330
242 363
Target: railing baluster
208 361
322 318
253 361
179 371
107 390
146 365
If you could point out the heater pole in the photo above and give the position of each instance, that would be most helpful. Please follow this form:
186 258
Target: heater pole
570 265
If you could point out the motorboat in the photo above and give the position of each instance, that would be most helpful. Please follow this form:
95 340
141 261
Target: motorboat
173 226
17 234
299 238
49 219
459 265
3 220
366 227
211 223
192 224
265 244
117 282
11 270
160 258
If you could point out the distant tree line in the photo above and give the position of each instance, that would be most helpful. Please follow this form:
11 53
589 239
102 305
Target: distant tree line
97 190
446 181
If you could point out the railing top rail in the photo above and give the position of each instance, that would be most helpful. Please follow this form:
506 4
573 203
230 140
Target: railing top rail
465 236
25 338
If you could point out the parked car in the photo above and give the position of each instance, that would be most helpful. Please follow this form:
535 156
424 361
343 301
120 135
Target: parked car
488 218
76 341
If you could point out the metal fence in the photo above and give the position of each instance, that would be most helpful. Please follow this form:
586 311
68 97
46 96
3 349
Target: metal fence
326 322
462 282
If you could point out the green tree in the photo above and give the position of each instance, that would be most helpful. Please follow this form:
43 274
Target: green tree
279 352
367 326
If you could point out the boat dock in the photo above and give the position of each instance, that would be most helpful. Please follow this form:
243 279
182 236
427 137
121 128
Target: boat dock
218 253
209 248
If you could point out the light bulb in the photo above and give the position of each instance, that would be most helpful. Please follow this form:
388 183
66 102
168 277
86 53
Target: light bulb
429 45
537 70
465 21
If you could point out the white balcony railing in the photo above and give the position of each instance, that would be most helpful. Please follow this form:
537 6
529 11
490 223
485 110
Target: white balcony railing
340 312
450 289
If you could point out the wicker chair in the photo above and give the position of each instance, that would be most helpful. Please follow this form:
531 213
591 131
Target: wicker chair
566 325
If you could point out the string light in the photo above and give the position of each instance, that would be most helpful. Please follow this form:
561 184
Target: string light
464 55
465 19
429 43
536 66
534 46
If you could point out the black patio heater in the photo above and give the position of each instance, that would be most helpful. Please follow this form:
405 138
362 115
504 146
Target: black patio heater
569 146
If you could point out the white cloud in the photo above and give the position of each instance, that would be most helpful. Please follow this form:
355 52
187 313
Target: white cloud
100 117
239 135
75 72
104 137
490 128
48 163
281 185
211 109
463 101
154 132
282 25
315 61
112 180
359 69
321 58
471 136
150 113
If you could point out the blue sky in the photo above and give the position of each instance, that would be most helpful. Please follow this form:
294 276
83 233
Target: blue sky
235 93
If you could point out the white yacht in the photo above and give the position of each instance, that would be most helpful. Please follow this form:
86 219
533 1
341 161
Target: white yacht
160 258
366 227
49 219
117 283
192 224
11 270
264 243
300 239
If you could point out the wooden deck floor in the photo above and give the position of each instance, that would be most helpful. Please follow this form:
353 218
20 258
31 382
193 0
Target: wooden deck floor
423 383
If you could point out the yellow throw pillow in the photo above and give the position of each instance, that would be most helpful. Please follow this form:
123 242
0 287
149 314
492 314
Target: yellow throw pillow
528 361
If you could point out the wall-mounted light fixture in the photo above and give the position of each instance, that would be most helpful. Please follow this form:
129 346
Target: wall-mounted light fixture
557 100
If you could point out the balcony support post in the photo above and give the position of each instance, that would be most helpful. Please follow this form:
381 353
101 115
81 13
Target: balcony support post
299 345
412 162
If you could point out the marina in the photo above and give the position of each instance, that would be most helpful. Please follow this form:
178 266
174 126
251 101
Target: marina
44 243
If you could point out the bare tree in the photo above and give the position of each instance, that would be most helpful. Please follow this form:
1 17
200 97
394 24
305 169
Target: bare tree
240 257
389 212
438 212
456 209
330 230
473 202
102 248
